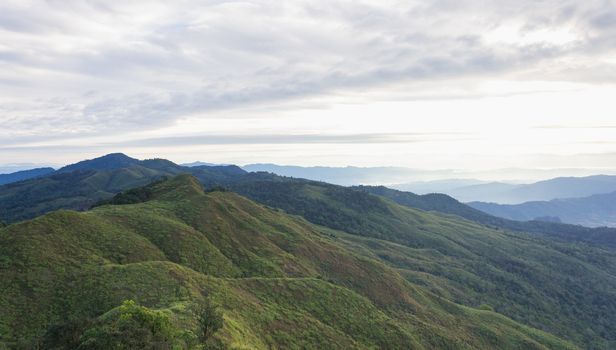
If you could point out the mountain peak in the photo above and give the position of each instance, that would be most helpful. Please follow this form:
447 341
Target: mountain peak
179 187
106 162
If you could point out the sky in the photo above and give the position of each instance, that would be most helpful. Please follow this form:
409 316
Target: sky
434 84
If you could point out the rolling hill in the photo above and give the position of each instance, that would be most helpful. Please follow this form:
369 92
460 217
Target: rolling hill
282 282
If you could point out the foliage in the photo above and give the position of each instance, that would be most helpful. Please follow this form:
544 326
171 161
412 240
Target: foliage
133 195
131 327
209 320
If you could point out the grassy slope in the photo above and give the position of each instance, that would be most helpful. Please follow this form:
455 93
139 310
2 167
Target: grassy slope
565 288
446 204
282 282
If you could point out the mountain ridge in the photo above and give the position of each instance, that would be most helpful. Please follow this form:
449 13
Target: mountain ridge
555 188
278 279
24 175
81 189
592 211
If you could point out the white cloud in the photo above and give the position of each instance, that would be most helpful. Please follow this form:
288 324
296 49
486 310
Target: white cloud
76 71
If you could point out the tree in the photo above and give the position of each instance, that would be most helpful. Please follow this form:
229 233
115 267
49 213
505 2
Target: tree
209 320
131 327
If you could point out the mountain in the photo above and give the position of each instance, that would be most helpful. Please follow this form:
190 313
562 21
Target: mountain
497 191
107 162
319 202
594 211
24 175
201 164
460 261
561 187
436 186
279 281
548 226
282 282
344 176
80 185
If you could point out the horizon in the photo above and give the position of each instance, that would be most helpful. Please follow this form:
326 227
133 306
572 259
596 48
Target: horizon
415 175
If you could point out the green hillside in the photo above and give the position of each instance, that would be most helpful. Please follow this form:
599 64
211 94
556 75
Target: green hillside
76 190
565 288
602 236
79 186
279 281
354 210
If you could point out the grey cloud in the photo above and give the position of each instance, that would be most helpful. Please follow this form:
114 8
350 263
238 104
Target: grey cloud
54 142
206 56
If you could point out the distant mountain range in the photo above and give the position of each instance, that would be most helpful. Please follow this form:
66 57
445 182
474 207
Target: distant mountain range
437 186
78 186
596 210
193 164
347 176
507 193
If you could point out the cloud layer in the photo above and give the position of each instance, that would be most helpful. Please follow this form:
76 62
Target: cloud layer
75 69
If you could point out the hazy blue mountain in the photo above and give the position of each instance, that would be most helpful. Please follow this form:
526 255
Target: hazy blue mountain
499 192
595 210
346 176
194 164
437 186
24 175
560 187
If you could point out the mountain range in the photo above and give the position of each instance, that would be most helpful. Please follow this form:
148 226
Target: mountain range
95 180
594 211
345 176
290 263
282 282
509 193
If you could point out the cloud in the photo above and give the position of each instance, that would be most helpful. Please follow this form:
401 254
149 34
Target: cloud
77 68
30 143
